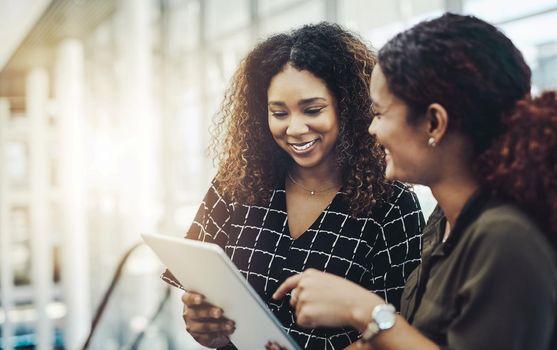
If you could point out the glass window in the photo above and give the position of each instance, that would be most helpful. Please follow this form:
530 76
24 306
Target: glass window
495 11
17 164
224 16
270 7
313 11
182 26
378 21
526 24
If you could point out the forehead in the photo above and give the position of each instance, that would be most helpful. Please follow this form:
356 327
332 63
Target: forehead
378 86
302 83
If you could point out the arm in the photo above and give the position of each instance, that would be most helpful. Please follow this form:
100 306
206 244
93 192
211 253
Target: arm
323 299
507 299
401 337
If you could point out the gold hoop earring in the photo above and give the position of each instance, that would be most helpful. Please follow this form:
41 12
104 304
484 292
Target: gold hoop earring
431 142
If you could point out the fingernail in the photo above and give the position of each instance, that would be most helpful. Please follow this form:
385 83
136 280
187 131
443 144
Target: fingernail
197 299
216 313
275 296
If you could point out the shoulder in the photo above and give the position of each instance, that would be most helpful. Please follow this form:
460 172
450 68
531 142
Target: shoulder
506 222
402 207
404 197
505 250
217 196
401 191
505 235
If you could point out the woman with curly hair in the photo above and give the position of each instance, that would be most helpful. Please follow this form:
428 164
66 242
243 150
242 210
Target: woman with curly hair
301 185
452 106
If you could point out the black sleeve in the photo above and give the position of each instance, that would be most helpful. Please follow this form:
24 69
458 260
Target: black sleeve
397 251
212 219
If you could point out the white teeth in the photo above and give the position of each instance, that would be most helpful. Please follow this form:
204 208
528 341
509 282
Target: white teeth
304 146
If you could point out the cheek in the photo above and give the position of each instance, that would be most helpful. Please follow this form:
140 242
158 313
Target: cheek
276 128
380 130
329 125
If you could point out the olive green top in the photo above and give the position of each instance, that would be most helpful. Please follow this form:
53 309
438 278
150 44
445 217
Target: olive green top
491 285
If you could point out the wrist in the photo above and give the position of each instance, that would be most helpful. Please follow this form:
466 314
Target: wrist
360 312
383 318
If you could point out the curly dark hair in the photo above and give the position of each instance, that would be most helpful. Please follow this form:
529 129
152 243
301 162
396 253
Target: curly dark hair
483 82
251 163
522 164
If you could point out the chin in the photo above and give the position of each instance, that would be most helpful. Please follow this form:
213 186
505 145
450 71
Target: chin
306 163
390 174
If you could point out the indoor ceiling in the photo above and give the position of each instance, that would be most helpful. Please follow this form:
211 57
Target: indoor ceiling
62 19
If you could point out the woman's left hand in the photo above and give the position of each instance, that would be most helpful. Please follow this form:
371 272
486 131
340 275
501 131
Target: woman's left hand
326 300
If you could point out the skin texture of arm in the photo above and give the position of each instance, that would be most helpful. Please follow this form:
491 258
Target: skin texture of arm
401 336
321 300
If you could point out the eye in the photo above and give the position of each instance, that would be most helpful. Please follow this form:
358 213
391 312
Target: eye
314 110
374 113
278 114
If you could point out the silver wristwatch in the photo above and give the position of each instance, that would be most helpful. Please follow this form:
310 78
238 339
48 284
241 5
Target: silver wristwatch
383 317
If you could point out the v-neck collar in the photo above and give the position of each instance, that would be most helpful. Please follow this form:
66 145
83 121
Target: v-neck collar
316 223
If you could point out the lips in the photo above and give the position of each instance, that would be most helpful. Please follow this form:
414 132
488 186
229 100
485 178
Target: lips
303 147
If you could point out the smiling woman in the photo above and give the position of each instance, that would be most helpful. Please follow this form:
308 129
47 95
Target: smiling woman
453 110
301 184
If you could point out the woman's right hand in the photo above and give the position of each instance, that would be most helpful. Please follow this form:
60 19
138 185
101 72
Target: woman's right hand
206 322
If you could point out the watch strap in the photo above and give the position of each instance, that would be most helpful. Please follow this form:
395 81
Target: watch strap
371 330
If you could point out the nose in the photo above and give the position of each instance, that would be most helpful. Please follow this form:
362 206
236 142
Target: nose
372 127
297 126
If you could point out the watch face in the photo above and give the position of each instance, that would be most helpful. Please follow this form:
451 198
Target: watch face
385 317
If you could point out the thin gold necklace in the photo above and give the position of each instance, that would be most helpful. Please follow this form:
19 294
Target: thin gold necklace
312 192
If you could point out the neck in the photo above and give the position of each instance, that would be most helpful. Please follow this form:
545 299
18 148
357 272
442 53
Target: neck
455 181
452 194
316 177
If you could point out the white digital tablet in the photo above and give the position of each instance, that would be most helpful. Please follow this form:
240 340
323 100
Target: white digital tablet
205 268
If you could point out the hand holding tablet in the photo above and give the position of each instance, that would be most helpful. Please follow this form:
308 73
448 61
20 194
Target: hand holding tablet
205 322
205 268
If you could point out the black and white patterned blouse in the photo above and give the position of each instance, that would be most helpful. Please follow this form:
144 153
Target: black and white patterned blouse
377 252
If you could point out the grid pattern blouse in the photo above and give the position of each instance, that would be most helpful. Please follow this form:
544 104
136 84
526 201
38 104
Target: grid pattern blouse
378 251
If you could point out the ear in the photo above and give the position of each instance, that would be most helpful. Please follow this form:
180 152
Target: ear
438 121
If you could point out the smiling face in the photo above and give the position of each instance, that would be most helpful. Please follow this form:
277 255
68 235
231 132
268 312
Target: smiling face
407 152
302 117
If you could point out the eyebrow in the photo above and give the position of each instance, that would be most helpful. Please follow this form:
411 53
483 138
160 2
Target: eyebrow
305 101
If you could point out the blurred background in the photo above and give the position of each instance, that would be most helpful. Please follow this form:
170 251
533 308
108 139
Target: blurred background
105 107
